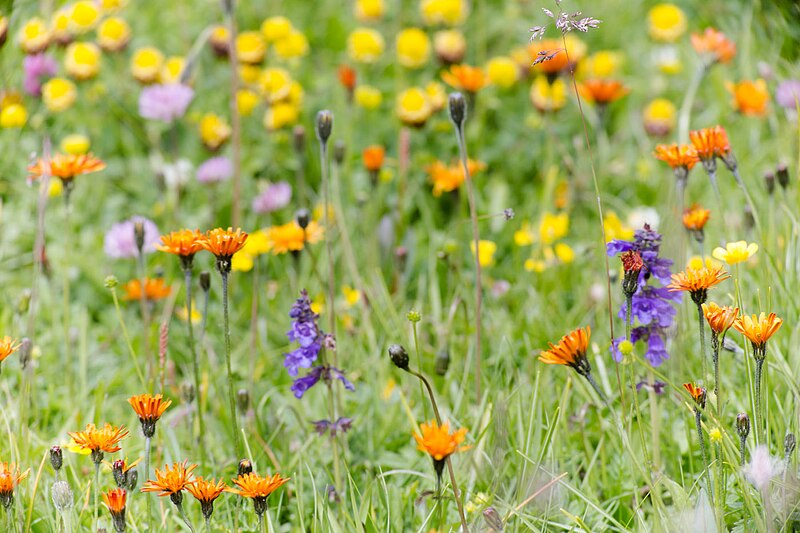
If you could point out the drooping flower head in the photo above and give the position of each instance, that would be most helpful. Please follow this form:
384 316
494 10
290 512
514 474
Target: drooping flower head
714 46
149 410
698 394
183 243
10 476
206 491
171 481
115 500
99 440
257 488
697 282
570 351
758 329
223 244
120 241
720 319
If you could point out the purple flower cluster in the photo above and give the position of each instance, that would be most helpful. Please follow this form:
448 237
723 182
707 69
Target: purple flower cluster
165 102
275 196
120 240
342 425
37 67
306 333
215 170
652 305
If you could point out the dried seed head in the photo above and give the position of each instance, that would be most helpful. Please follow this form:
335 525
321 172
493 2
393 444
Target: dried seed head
458 109
62 496
324 125
302 217
399 356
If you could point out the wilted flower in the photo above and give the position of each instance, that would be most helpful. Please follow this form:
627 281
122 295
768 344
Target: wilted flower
165 102
120 240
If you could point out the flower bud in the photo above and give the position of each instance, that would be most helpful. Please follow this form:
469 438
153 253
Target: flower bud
442 362
782 173
243 399
743 425
749 219
245 467
493 519
324 125
769 180
299 138
62 496
25 349
24 302
138 234
399 356
414 316
302 217
56 458
187 392
458 109
789 444
111 282
339 151
205 281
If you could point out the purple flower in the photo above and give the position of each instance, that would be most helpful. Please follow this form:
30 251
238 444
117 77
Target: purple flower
276 196
165 102
342 424
301 385
788 94
215 170
657 386
36 68
120 240
304 333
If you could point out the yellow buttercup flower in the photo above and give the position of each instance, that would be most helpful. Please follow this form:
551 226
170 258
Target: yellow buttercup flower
565 253
275 84
715 435
249 73
502 71
548 97
553 227
296 94
34 36
369 10
667 22
735 252
275 28
60 26
524 236
351 296
486 251
615 229
197 316
293 45
58 94
368 97
602 64
258 243
13 116
365 45
413 47
112 6
448 12
246 101
437 95
659 117
281 115
535 265
82 60
84 16
250 47
413 107
698 263
214 131
146 64
172 70
113 34
450 46
668 59
75 144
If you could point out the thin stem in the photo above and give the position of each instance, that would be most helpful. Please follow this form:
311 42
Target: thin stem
419 366
148 497
187 275
231 394
127 337
701 330
184 517
235 119
323 161
208 525
96 493
716 343
66 293
688 102
742 449
699 426
473 214
596 388
757 415
628 320
143 305
262 524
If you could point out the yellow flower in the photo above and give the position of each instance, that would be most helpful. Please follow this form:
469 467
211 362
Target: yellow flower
275 84
112 6
667 22
735 252
75 144
698 263
56 188
318 304
281 115
413 47
60 31
172 70
615 229
59 94
258 243
296 95
524 235
84 16
293 45
548 97
82 60
250 47
249 73
603 64
351 296
146 64
113 34
246 101
13 116
715 435
214 131
486 251
659 117
437 96
34 36
450 46
449 12
565 253
535 265
368 97
197 316
368 10
413 107
553 227
365 45
502 71
275 28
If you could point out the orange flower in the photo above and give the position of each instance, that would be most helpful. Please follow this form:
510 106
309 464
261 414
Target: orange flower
99 440
154 289
184 243
602 91
257 488
66 167
677 156
465 78
373 157
554 50
171 480
710 143
149 410
697 282
759 329
347 77
223 244
695 218
749 97
570 351
206 491
698 394
115 501
449 178
438 442
290 237
715 45
8 346
10 477
720 319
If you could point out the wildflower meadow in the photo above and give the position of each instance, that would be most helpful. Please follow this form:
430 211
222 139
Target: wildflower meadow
399 266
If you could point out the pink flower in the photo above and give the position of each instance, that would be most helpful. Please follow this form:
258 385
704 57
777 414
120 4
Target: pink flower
215 170
165 102
788 94
36 68
276 196
120 240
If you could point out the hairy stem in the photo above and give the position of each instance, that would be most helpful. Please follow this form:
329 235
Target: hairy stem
187 274
231 393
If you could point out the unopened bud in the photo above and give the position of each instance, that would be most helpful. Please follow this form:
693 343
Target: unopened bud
111 282
25 349
769 180
56 458
749 219
782 173
743 425
302 217
138 234
243 399
187 392
493 519
324 125
24 302
399 356
205 281
299 137
458 109
442 363
245 467
339 151
414 316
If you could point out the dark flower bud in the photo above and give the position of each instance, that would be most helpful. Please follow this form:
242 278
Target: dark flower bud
743 425
493 519
299 137
25 349
324 125
399 356
187 392
138 234
245 467
458 109
120 476
243 399
133 479
56 457
789 444
302 217
205 281
782 173
769 180
442 362
339 151
749 219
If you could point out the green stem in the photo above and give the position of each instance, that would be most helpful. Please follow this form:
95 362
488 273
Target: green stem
688 102
184 517
148 498
628 312
231 394
419 366
757 415
701 330
699 426
127 336
96 494
68 366
187 274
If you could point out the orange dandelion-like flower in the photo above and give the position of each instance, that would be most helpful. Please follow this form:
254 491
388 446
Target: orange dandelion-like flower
8 346
115 500
206 491
154 289
223 244
465 78
373 157
551 49
695 218
449 178
183 243
66 166
715 45
149 410
759 329
720 319
680 157
698 394
602 91
570 351
171 481
290 237
347 77
749 97
710 143
10 476
257 488
438 442
99 440
697 282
